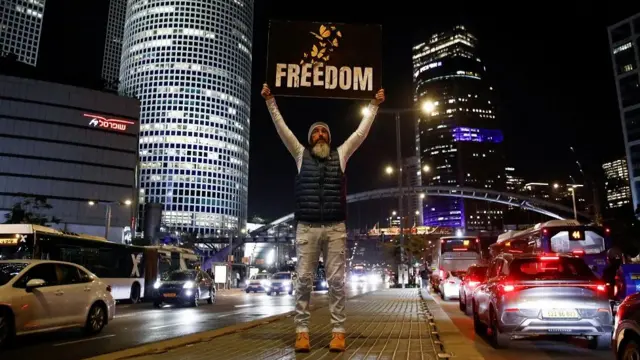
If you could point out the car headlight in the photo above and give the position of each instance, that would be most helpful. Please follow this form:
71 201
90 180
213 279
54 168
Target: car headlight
189 285
287 283
324 284
157 284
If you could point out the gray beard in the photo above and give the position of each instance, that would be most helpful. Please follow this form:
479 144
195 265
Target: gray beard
321 150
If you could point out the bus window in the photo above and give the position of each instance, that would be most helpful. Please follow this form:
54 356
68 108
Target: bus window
567 241
459 245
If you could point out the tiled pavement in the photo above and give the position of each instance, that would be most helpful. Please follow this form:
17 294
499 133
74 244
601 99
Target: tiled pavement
385 324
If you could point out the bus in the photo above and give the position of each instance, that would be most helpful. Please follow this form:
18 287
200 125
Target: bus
119 265
457 253
590 242
130 270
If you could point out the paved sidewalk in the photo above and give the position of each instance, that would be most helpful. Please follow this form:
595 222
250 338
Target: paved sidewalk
385 324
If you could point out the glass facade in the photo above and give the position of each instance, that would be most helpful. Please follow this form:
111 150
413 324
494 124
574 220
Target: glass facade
624 42
113 41
460 140
617 183
20 26
189 63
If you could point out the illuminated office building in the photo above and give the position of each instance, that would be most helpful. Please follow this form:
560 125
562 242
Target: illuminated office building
189 62
460 140
624 44
616 183
20 27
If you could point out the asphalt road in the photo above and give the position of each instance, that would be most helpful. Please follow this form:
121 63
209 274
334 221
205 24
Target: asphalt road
139 324
539 349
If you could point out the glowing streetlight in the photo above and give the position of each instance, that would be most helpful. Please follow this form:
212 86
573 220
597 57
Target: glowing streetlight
556 185
428 106
422 196
365 111
127 202
388 170
417 212
426 168
91 203
393 213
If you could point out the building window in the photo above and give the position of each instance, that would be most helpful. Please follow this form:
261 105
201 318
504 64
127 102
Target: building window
630 90
621 32
625 59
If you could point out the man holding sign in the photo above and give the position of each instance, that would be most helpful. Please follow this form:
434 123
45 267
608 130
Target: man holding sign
320 214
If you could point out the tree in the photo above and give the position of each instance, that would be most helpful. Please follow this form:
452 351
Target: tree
414 247
31 210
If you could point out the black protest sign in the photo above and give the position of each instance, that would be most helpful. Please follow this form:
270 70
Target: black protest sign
324 60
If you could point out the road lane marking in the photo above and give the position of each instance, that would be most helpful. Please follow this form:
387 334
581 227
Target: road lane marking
245 305
83 340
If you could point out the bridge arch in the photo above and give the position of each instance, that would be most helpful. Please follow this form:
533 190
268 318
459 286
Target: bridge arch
532 204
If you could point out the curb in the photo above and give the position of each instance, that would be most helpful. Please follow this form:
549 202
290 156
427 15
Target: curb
440 322
163 346
191 339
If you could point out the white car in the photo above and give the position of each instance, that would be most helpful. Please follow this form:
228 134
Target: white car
41 295
450 285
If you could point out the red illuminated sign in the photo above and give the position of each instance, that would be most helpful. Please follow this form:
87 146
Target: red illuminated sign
112 124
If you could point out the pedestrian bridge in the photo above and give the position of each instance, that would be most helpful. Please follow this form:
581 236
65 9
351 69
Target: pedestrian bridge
544 207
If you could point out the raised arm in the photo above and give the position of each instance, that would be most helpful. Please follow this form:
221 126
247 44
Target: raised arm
286 135
357 138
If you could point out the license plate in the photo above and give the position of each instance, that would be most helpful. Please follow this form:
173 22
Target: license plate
169 295
560 313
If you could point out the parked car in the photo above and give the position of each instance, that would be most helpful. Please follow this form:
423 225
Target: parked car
58 295
476 275
532 294
626 334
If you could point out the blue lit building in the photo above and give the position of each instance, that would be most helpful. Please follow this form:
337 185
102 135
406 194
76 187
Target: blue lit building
460 140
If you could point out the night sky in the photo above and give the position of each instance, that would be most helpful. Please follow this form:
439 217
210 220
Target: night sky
550 67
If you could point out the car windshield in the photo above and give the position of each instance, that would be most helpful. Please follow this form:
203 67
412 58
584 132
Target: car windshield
478 272
281 277
550 268
181 276
9 270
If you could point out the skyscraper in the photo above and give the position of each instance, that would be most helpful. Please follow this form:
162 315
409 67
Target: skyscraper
189 63
113 41
616 183
20 26
624 42
460 141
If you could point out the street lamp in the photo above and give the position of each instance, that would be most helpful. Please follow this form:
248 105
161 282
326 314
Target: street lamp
107 217
393 213
417 212
428 108
422 196
388 170
572 190
426 168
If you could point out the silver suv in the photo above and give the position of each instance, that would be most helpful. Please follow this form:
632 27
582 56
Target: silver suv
535 294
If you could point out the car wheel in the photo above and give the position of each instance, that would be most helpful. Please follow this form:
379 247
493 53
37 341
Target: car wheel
468 309
602 343
630 350
268 293
96 320
7 330
462 305
498 340
212 297
194 301
134 296
478 326
247 291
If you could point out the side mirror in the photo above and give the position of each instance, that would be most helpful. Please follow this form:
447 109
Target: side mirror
34 283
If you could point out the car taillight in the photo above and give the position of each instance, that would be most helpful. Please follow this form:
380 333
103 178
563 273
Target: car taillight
474 283
441 273
506 288
578 252
549 258
109 288
601 288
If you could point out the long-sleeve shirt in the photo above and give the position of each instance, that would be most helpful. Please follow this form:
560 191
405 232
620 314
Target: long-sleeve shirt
344 151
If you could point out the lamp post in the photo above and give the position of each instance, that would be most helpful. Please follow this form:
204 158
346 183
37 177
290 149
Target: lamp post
107 216
572 190
427 107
